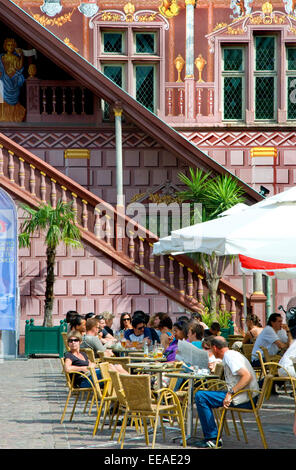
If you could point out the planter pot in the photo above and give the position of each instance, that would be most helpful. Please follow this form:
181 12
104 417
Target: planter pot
225 332
44 340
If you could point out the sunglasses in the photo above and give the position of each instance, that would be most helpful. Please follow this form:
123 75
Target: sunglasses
74 340
100 317
140 327
126 319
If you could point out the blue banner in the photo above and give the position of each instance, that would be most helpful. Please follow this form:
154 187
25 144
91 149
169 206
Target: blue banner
8 262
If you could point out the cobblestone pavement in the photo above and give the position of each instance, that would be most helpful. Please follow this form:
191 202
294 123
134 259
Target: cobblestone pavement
33 395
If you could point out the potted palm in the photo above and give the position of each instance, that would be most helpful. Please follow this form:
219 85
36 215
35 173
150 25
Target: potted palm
215 195
58 226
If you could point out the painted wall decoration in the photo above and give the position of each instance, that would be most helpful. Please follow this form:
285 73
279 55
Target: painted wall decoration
290 7
12 79
240 8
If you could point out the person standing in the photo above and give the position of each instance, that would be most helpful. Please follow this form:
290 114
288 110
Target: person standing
239 375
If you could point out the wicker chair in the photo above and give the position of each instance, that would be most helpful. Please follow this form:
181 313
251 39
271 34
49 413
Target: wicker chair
255 410
64 335
272 368
117 386
268 357
118 360
110 397
76 391
211 384
247 350
137 391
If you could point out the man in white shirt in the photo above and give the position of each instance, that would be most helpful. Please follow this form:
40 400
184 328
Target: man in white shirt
239 375
275 337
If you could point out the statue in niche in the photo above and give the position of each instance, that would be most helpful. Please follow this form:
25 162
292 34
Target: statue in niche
240 8
11 81
290 7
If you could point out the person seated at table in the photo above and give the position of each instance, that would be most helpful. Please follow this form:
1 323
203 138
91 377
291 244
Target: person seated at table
287 360
275 337
125 323
138 333
109 317
198 317
206 345
195 334
239 375
92 340
105 337
89 315
76 360
214 330
166 327
180 332
155 321
146 319
78 323
254 329
183 318
70 315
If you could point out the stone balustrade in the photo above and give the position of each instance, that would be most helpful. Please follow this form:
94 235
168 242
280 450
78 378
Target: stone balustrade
53 101
203 99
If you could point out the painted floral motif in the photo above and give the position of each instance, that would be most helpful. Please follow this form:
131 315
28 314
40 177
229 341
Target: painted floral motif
290 7
240 8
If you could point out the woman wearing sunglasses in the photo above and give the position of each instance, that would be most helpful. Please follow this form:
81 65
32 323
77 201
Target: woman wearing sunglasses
125 323
76 360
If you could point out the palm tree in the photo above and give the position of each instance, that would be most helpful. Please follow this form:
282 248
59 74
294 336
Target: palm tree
216 195
58 225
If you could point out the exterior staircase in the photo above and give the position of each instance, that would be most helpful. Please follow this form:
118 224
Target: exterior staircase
30 179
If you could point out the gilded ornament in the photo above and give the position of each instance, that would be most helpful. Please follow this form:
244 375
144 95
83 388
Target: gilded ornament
45 21
129 10
69 44
267 8
108 16
234 31
143 18
219 26
179 64
200 63
169 8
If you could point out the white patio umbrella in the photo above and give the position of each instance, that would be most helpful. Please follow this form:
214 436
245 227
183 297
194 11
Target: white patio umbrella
265 231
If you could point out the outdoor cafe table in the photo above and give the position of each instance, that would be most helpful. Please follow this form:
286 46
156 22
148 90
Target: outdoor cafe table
191 377
154 368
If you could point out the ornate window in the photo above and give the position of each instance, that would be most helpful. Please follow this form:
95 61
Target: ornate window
112 42
255 68
233 59
129 49
145 85
265 78
291 82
